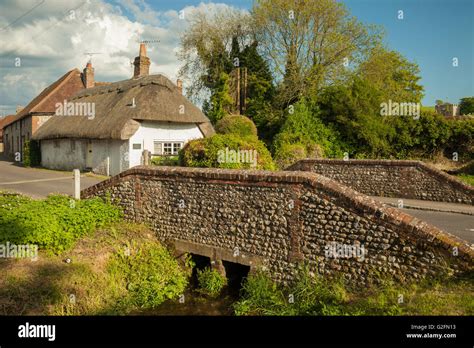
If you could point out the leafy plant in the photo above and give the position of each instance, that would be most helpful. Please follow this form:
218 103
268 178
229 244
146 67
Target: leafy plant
210 282
205 152
31 153
53 224
238 125
150 273
165 160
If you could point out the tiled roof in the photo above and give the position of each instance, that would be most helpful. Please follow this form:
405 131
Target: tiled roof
6 120
69 84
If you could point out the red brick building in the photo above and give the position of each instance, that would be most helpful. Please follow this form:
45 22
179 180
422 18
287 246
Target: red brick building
3 123
27 121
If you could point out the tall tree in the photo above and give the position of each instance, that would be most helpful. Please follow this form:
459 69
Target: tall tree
261 92
466 106
220 103
393 75
206 48
308 43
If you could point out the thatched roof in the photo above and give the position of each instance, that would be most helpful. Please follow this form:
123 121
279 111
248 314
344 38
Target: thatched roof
156 99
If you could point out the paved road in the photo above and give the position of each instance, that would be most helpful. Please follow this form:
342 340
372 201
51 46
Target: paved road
460 225
38 183
428 205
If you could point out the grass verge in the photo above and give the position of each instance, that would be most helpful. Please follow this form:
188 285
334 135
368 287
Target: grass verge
313 295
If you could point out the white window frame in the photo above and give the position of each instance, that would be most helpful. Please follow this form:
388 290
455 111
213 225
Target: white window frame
173 144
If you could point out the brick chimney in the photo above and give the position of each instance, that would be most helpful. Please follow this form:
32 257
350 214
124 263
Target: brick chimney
142 63
88 76
179 84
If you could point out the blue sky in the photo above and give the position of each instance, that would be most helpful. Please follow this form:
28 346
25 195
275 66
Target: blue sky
431 34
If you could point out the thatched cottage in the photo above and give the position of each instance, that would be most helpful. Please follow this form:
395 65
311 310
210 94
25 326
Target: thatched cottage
106 128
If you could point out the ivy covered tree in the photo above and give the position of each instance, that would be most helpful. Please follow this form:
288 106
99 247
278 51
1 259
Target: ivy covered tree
220 101
261 92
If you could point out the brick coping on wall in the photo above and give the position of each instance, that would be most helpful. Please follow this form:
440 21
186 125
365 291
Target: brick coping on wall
389 163
350 199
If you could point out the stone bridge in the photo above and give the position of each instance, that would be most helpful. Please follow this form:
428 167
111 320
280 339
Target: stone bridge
387 178
279 220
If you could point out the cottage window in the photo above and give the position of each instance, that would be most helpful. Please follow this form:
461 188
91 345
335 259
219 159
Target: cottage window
167 148
157 148
176 148
162 148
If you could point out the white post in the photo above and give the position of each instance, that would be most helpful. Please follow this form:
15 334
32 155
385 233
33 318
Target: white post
77 184
108 165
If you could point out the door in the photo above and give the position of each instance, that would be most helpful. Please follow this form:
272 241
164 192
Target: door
136 153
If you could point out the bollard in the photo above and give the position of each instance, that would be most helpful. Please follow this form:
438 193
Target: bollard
77 184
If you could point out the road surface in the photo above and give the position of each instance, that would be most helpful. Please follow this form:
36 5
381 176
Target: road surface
38 183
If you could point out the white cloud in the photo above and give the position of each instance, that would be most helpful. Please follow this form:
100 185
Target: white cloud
51 40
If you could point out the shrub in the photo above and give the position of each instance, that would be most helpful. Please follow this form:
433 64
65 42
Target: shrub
210 282
53 224
165 161
151 274
288 154
238 125
304 135
211 153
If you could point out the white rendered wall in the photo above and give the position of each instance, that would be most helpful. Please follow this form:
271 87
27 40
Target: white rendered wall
69 154
149 132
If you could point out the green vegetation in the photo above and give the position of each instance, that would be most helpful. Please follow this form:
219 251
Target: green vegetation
55 223
238 125
468 179
220 103
236 146
466 106
210 282
211 152
150 274
313 295
165 160
31 153
117 270
303 135
316 88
